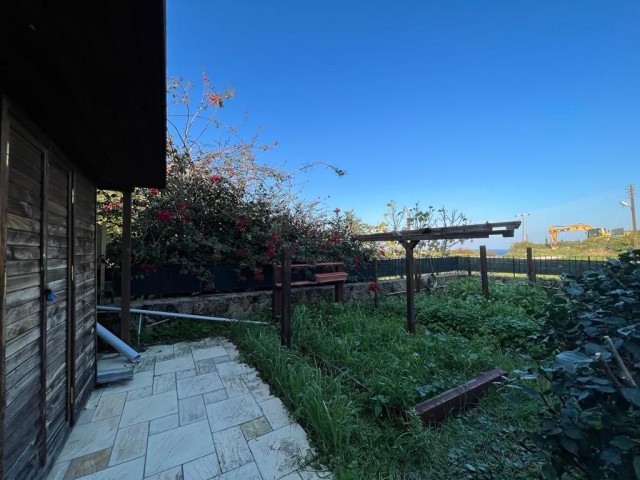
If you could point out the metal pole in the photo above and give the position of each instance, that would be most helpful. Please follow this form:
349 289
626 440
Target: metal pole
634 227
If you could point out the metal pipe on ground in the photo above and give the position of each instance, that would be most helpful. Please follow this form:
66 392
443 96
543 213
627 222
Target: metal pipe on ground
121 347
104 308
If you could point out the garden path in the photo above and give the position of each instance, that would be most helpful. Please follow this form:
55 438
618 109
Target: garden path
192 411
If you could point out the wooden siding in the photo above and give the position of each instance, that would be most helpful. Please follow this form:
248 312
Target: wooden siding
48 348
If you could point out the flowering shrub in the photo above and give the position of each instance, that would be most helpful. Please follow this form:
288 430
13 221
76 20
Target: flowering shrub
221 206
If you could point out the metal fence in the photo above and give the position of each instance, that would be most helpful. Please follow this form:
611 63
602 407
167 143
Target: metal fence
174 281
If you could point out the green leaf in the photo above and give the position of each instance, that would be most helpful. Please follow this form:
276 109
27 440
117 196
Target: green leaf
569 360
549 473
632 395
623 442
636 466
569 445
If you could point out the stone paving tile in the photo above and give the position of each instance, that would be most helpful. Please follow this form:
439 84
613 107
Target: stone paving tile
139 393
175 365
310 473
140 380
155 350
280 452
174 473
202 468
292 476
109 406
144 365
259 390
85 416
212 352
164 383
186 373
177 446
256 427
276 413
165 358
231 448
163 424
232 412
130 443
87 464
132 470
181 350
149 408
89 438
214 397
94 398
191 410
58 471
188 387
206 365
223 359
246 472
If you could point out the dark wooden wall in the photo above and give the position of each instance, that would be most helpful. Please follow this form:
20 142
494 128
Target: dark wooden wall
48 347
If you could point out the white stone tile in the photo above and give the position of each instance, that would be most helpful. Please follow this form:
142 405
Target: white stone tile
174 473
149 408
131 442
280 452
155 350
145 364
245 472
191 410
85 416
214 397
163 424
188 387
259 390
206 365
233 369
186 373
232 448
164 383
58 471
292 476
139 393
231 412
175 365
140 380
181 350
94 398
310 473
202 353
90 438
109 406
177 446
133 470
233 352
276 413
202 468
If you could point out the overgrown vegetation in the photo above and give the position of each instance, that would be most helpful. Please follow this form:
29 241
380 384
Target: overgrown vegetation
589 247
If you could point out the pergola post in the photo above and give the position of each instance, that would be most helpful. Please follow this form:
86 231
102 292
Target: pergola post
125 286
409 245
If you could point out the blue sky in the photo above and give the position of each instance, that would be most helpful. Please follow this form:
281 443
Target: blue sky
493 108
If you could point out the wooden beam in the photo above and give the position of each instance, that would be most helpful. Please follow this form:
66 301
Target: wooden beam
482 230
44 230
484 275
4 192
435 410
531 267
409 266
285 315
125 286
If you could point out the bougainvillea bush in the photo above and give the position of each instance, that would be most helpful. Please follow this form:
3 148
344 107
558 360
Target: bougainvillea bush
221 206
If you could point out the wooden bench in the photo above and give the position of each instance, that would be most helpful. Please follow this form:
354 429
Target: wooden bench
331 277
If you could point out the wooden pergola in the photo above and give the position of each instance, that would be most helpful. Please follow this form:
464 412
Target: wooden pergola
410 238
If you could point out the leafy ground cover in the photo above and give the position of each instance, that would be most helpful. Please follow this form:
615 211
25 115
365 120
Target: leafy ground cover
354 374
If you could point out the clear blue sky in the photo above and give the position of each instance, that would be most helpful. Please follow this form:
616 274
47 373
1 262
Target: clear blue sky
494 108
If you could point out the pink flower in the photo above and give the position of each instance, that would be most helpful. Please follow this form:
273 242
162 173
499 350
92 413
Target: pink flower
337 211
335 239
241 254
373 287
382 253
147 266
154 192
165 216
242 224
258 275
215 178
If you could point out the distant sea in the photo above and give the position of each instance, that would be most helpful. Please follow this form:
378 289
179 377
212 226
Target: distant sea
499 251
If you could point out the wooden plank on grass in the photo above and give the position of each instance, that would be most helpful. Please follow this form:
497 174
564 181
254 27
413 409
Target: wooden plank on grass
435 410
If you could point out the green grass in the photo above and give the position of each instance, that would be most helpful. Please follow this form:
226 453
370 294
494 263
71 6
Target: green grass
354 374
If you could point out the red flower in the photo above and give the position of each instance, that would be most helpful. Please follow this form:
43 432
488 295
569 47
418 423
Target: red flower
242 224
109 206
382 253
373 287
154 192
275 238
356 263
258 275
147 266
337 211
215 178
271 251
180 206
165 216
335 239
241 254
215 99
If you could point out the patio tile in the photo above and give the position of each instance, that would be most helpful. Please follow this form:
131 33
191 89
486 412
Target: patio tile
163 424
149 408
232 412
85 416
202 468
164 383
144 365
256 427
233 369
139 393
177 446
90 438
188 387
130 443
246 472
231 448
276 413
86 464
223 359
186 373
191 410
292 476
181 350
132 470
175 365
94 398
155 350
174 473
310 473
212 352
58 471
206 365
259 390
214 397
280 452
109 406
165 357
140 380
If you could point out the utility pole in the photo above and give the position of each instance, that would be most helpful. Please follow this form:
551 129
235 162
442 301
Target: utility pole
632 207
522 215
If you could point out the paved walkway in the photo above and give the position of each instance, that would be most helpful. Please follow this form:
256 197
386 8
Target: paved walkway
192 411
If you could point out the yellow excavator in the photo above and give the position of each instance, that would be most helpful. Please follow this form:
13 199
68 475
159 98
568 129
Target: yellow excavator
577 227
